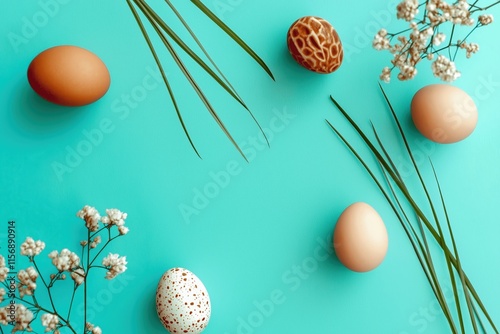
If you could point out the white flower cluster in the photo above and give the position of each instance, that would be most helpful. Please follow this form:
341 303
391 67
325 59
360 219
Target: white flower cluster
50 322
117 218
3 269
31 247
27 281
91 217
115 265
23 318
2 294
426 36
92 329
97 240
78 275
64 261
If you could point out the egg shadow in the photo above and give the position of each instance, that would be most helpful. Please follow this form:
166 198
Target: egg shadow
34 117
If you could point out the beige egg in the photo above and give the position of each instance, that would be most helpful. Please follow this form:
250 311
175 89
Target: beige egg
315 44
444 113
360 238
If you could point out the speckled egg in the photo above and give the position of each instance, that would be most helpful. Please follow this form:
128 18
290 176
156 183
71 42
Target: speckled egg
182 302
314 44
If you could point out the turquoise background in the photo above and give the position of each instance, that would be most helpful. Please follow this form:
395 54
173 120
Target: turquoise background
264 231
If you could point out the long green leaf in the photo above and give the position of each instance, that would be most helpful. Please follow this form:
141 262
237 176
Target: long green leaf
418 211
193 83
455 250
153 16
202 48
233 35
165 80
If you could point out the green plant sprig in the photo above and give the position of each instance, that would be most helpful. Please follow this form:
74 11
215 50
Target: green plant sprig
167 34
419 240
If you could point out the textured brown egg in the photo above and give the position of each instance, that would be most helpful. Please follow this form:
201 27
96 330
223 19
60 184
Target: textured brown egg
444 113
314 44
360 238
69 76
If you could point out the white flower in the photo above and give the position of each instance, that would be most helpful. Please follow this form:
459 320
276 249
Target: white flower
115 265
445 69
438 39
386 74
2 293
381 42
91 217
23 319
93 329
50 322
485 19
123 230
65 261
95 242
407 9
3 269
27 281
114 217
31 247
470 48
407 72
78 275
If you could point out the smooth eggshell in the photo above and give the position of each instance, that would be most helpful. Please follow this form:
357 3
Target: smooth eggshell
360 238
68 75
182 302
314 44
444 113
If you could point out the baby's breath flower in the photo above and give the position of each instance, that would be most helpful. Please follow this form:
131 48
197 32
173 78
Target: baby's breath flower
65 261
91 217
386 74
485 19
95 242
50 322
3 269
115 265
470 48
438 39
93 329
78 275
31 247
445 69
22 320
123 230
381 42
114 217
407 9
2 293
27 281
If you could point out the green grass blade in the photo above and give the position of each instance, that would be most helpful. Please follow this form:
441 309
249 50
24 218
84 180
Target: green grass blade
164 77
151 14
455 250
418 211
385 194
195 86
221 74
233 35
427 252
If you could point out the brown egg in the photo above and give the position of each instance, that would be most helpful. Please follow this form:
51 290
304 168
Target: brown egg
444 113
360 238
314 44
69 76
